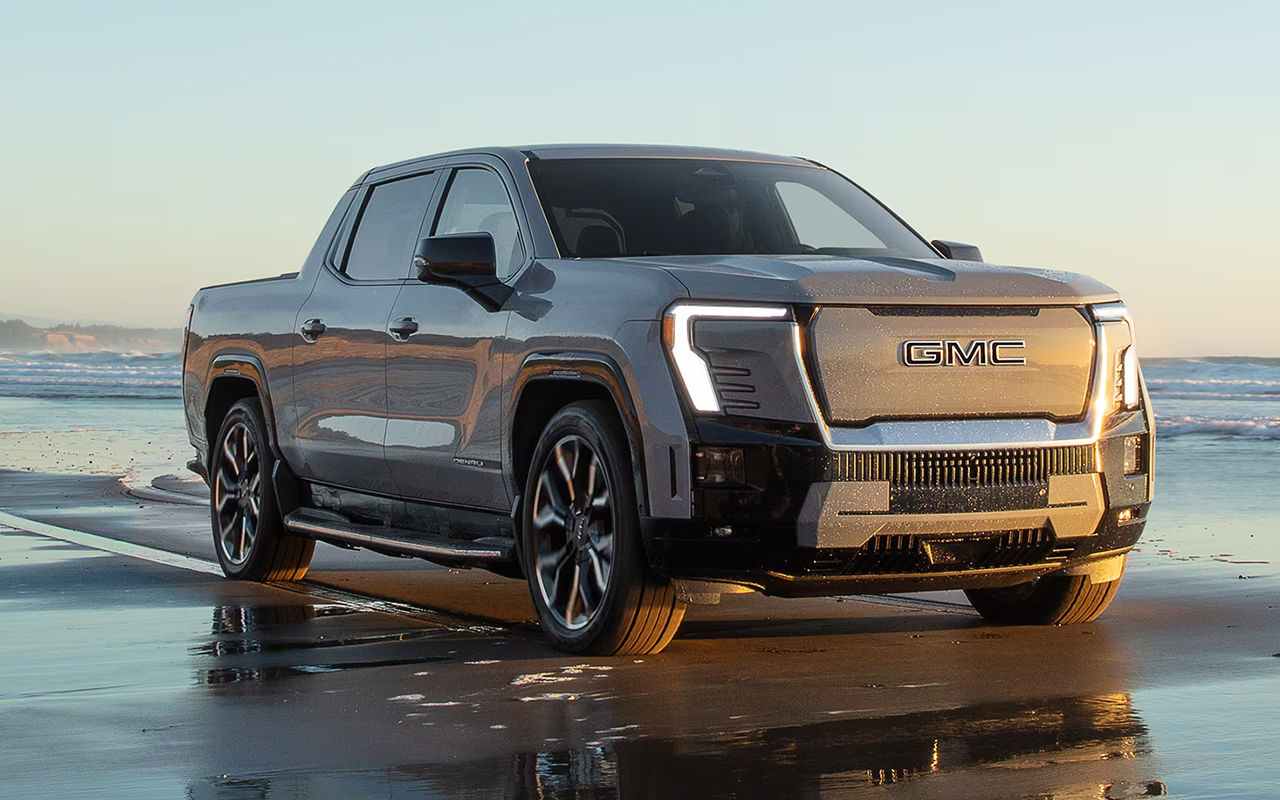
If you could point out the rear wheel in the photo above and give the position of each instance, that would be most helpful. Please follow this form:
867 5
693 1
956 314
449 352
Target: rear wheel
588 575
1050 600
248 533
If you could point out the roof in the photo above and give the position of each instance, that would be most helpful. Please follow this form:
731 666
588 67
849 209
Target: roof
550 151
518 153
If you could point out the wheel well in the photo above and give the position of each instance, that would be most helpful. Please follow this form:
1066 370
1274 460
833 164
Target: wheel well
223 394
538 403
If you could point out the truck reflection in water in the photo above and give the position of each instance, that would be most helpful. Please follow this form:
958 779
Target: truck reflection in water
236 632
1053 749
848 757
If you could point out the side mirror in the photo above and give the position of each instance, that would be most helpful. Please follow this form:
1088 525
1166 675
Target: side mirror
957 251
465 260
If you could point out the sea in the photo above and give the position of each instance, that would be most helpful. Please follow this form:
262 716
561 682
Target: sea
1217 453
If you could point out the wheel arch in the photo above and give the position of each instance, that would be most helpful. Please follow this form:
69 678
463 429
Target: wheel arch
232 378
547 383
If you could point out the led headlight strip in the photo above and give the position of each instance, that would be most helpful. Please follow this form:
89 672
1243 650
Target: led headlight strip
1129 396
694 371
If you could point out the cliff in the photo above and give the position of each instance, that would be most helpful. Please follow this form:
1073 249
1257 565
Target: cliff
18 336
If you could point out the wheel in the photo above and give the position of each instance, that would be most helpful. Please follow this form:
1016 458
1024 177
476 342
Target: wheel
580 528
1050 600
248 533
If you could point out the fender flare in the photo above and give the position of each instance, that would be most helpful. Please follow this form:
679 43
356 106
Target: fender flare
586 367
244 366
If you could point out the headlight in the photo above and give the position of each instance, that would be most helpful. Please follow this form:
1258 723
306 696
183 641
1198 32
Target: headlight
1126 386
691 365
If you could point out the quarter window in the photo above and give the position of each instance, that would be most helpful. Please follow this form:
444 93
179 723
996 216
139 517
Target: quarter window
477 202
388 229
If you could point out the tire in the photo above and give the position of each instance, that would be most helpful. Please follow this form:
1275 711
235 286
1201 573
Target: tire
580 538
248 534
1050 600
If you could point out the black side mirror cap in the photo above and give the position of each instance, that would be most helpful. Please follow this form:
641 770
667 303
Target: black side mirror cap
465 260
957 251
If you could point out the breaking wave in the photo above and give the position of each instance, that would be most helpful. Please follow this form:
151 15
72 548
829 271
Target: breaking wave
1258 429
91 376
1215 398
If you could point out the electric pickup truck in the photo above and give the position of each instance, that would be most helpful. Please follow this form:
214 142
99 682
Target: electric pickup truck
639 377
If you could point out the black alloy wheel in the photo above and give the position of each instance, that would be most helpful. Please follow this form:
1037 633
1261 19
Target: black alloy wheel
588 575
248 534
573 532
237 494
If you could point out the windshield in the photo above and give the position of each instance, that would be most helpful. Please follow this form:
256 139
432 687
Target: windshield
609 207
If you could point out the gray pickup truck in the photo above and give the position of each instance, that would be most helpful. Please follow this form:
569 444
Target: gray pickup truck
640 377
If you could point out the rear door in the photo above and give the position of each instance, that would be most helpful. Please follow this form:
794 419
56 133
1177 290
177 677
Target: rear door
444 380
339 352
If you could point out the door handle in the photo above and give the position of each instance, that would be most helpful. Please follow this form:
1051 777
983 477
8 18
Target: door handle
311 329
403 328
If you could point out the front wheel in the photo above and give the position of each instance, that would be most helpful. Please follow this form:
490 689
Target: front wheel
248 533
588 575
1049 600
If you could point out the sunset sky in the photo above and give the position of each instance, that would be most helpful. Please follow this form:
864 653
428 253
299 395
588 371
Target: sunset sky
152 148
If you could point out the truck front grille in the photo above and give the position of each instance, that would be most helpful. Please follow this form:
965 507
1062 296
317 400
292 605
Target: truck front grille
904 554
964 468
862 372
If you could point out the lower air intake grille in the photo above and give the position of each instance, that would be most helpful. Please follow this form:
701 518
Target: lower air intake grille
896 554
960 468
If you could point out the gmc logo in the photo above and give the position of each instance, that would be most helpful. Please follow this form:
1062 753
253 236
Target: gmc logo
950 353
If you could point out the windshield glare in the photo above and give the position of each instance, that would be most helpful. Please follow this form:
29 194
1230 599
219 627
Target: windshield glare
612 207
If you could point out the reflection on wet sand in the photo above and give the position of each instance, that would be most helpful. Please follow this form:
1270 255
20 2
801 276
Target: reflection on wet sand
1084 746
1077 747
235 619
245 622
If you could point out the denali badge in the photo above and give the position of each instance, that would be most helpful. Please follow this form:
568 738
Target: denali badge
950 353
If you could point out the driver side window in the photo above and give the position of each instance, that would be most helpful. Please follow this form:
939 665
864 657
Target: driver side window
476 202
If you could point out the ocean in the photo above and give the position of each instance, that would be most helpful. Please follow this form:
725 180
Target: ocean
1220 398
102 413
1217 454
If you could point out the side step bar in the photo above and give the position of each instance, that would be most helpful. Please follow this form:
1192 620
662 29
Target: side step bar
320 525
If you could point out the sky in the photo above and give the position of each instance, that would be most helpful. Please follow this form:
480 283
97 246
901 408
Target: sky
148 149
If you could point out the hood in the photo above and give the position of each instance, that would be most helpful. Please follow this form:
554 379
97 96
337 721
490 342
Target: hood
820 279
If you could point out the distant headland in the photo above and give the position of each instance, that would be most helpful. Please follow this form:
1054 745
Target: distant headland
18 336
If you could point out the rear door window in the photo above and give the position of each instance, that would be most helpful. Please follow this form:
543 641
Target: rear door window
477 202
388 230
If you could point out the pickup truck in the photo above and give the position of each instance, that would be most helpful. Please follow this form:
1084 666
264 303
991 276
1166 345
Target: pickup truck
639 377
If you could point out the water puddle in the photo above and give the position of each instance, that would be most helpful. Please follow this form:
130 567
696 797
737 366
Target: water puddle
1085 747
248 632
234 647
26 549
226 675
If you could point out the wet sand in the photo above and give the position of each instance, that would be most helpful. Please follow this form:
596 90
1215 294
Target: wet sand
382 677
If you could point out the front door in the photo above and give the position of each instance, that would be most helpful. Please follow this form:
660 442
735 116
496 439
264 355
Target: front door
444 377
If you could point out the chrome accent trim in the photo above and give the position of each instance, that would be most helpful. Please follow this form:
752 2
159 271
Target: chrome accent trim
963 434
1111 312
949 353
1127 364
331 531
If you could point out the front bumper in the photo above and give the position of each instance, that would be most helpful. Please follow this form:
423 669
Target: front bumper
807 520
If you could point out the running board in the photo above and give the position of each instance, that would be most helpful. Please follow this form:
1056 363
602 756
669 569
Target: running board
319 525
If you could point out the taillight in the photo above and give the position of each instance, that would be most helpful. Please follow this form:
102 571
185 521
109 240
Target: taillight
186 331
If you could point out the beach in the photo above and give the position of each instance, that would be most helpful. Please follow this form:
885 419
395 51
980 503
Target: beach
389 678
